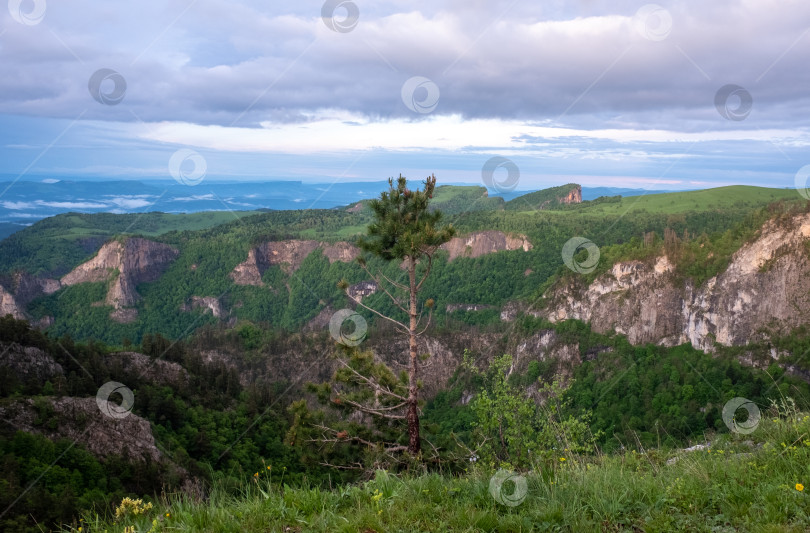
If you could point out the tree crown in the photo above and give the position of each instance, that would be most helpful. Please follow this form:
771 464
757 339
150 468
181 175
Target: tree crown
403 226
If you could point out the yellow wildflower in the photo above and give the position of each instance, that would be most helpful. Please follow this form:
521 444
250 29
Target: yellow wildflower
799 487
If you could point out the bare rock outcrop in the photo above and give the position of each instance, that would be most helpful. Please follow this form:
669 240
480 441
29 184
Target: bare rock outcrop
358 291
485 242
10 306
27 287
451 308
157 371
19 289
288 255
29 363
765 290
124 264
574 196
80 419
206 303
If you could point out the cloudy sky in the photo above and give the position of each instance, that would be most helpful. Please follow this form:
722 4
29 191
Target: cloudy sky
672 96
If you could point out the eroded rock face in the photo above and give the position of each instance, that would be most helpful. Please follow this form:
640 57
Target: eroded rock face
28 362
451 308
125 264
765 290
9 305
574 196
358 291
155 371
27 287
289 255
485 242
207 303
80 419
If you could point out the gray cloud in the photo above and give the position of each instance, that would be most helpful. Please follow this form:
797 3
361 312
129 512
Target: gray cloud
244 63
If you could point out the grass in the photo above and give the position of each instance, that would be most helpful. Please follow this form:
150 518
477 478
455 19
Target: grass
742 196
740 483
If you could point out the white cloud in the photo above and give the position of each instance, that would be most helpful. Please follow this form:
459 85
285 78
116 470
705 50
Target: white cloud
71 205
18 205
130 203
438 132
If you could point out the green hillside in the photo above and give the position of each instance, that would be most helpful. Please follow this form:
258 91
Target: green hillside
538 200
55 244
720 198
456 200
212 244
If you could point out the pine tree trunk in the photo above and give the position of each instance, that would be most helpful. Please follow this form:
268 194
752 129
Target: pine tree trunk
414 441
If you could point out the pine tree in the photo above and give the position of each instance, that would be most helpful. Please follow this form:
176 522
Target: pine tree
406 230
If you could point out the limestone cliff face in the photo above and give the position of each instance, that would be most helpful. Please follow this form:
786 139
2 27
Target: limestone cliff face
9 305
17 291
206 303
153 370
27 287
289 255
485 242
80 419
765 290
28 363
574 196
125 265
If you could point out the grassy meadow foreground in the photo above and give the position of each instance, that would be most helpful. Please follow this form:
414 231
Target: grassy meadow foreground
737 482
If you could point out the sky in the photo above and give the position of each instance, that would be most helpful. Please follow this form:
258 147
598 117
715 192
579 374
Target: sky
677 95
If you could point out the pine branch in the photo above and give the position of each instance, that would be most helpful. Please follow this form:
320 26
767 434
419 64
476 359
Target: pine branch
364 306
342 436
374 410
374 385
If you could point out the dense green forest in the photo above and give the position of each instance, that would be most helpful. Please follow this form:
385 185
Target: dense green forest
707 227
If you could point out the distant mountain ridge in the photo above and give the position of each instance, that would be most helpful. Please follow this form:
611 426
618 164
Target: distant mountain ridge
27 201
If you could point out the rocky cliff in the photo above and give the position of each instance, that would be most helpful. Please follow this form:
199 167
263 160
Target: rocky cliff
9 305
81 420
288 255
574 196
485 242
764 291
28 363
124 264
17 291
206 303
